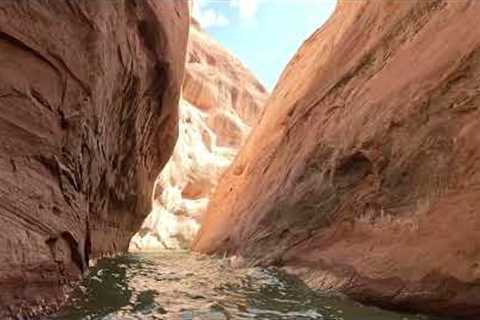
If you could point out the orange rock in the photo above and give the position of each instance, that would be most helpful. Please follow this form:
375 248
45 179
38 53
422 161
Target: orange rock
362 175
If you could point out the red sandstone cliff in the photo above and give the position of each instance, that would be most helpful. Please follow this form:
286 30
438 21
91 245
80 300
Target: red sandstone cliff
363 174
88 94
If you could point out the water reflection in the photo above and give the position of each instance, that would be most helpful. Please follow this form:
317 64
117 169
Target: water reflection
178 285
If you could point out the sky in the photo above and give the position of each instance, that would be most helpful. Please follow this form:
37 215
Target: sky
263 34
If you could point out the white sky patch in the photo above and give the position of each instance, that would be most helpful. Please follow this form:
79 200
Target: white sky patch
246 8
208 17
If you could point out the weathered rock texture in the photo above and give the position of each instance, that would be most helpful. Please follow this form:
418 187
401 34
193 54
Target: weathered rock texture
221 100
215 81
363 174
88 95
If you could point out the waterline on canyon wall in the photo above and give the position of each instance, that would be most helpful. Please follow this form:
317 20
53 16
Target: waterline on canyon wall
179 285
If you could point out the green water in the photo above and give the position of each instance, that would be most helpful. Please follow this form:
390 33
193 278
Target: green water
178 285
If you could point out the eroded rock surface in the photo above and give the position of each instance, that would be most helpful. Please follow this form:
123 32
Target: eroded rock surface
88 95
217 81
363 174
221 101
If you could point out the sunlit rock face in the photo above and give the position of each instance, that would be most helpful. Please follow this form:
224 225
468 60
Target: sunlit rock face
363 173
215 81
182 190
222 100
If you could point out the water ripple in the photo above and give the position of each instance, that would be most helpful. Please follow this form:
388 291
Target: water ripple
178 285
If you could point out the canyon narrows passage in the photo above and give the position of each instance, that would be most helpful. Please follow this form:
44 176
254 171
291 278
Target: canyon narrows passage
221 102
360 176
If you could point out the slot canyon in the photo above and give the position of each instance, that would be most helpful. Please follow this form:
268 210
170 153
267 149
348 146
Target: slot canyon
147 173
216 116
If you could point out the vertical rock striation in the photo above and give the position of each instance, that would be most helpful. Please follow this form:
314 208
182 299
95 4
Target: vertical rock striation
88 96
363 174
221 100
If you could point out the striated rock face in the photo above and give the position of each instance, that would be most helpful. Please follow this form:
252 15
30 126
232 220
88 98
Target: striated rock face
221 100
88 95
363 174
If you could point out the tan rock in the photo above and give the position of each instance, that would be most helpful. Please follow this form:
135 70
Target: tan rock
88 96
215 79
364 169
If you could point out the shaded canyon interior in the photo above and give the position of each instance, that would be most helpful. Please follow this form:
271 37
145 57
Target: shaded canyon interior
360 174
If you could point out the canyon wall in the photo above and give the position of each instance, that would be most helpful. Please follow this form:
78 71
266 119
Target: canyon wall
363 174
221 101
89 93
